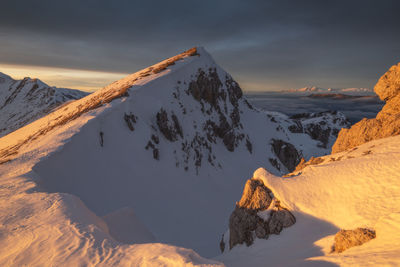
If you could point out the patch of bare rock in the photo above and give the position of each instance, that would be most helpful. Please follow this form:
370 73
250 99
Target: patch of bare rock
345 239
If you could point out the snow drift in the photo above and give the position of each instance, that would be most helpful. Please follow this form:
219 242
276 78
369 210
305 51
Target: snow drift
347 190
347 204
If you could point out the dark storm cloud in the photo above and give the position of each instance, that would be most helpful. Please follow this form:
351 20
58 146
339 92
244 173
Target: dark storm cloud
276 43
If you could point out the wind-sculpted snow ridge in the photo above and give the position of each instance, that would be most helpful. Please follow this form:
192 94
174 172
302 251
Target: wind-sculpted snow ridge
166 149
387 121
26 100
357 189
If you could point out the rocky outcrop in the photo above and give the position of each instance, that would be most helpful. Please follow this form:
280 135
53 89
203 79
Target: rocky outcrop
171 129
387 121
257 215
286 153
208 88
153 145
130 120
256 196
388 85
280 218
345 239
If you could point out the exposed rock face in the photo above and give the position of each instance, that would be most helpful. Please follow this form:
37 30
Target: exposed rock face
209 89
170 129
345 239
286 153
242 224
388 85
258 214
387 121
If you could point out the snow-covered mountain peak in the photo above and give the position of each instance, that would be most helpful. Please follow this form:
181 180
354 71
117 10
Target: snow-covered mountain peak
23 101
193 71
4 77
180 130
166 65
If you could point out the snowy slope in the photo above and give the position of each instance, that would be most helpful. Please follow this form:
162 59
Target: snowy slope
173 142
42 229
356 188
23 101
345 91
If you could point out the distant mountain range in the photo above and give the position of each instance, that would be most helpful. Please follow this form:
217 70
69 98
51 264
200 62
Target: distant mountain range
24 101
344 91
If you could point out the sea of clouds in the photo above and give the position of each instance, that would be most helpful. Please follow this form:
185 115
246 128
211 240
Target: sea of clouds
355 109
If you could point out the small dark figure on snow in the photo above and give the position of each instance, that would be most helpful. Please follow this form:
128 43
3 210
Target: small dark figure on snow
222 244
101 139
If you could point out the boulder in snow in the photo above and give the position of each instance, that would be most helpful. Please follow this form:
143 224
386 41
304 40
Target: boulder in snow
257 215
345 239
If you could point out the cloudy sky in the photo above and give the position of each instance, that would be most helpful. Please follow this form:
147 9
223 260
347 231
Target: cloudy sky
265 45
